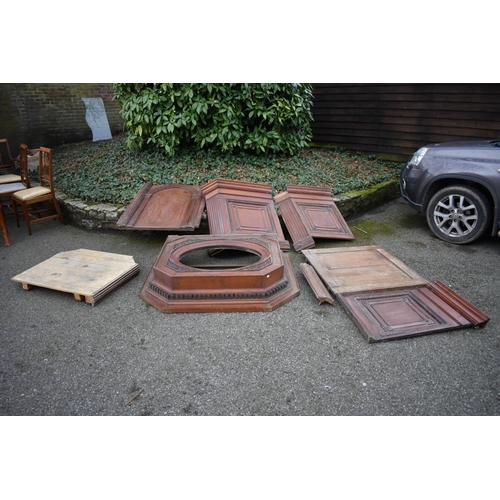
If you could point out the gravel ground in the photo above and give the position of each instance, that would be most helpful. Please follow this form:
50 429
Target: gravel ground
63 357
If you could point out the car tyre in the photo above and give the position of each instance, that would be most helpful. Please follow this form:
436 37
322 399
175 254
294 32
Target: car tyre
459 214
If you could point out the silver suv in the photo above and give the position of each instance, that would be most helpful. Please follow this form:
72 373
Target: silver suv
457 185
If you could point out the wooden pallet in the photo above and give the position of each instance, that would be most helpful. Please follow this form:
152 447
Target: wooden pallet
88 274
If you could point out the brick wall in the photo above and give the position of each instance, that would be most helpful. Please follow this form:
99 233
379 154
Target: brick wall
51 114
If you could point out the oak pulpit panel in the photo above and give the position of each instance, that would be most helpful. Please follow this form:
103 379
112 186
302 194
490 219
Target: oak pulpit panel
351 269
244 208
388 300
408 312
310 212
164 207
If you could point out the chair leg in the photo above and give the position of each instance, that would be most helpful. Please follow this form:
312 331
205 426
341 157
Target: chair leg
58 210
14 207
4 229
27 217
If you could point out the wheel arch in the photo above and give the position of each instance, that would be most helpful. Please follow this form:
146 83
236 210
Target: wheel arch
443 181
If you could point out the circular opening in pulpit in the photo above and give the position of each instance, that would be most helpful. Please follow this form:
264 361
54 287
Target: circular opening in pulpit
219 258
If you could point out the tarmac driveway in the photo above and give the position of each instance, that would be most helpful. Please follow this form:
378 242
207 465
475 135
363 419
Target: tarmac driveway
64 357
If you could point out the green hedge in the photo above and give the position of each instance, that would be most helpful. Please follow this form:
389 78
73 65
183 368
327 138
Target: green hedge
257 118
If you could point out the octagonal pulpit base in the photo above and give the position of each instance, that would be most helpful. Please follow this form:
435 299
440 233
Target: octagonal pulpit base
175 287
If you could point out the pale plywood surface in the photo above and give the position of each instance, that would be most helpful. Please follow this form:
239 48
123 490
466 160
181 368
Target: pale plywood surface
84 273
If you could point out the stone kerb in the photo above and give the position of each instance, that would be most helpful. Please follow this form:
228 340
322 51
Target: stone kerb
90 216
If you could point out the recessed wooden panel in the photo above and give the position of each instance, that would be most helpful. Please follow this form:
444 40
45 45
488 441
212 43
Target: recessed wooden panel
164 207
250 217
360 268
310 212
407 312
235 207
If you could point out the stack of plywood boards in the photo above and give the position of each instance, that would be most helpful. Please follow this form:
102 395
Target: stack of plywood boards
87 274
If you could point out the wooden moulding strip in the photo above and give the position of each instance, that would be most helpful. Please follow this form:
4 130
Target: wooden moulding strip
309 191
296 227
226 185
461 305
317 286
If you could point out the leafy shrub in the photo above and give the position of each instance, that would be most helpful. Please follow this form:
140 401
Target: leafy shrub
257 118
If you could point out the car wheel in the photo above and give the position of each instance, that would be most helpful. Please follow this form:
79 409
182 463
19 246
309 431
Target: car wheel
459 214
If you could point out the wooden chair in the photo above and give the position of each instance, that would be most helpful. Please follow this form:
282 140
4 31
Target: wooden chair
9 188
9 178
44 193
7 164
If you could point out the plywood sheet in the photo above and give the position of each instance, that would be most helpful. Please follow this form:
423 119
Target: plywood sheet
164 207
87 274
310 212
243 208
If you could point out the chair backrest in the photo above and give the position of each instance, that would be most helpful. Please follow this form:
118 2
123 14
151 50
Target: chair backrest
45 168
23 164
5 159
